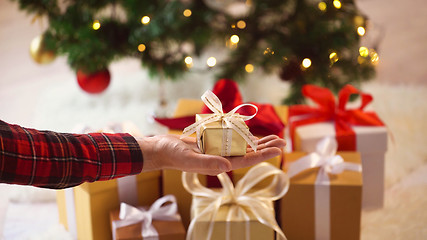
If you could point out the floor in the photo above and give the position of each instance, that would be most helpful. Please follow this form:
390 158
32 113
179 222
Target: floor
403 51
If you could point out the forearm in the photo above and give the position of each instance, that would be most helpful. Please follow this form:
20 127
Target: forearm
58 160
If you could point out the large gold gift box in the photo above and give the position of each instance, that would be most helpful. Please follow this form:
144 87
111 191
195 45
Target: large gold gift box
167 230
211 135
94 201
297 207
172 183
237 226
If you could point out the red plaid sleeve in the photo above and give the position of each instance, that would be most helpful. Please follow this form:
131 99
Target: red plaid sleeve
60 160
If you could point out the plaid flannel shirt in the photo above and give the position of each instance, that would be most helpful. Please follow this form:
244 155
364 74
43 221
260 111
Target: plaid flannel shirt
60 160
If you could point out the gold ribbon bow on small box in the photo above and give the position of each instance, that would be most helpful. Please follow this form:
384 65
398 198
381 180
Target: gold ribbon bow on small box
242 202
229 122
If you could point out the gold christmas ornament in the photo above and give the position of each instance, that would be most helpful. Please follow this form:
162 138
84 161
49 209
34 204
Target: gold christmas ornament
39 53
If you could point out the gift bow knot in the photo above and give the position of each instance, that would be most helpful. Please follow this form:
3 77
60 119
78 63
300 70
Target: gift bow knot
158 211
326 159
328 110
242 198
228 120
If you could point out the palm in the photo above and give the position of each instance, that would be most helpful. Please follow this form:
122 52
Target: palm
268 147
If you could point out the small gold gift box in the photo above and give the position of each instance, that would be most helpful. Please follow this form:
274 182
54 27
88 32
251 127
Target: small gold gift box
214 138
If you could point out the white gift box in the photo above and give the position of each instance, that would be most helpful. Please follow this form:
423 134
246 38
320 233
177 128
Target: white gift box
371 142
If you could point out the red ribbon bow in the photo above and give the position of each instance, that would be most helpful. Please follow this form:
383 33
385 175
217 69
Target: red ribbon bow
328 110
266 122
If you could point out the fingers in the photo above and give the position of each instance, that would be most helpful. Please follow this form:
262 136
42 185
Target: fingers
183 154
205 164
191 142
268 147
188 140
253 158
269 141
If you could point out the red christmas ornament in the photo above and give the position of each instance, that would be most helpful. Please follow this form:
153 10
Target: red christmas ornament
95 82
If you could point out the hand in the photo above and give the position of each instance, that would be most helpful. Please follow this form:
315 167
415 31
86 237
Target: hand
171 152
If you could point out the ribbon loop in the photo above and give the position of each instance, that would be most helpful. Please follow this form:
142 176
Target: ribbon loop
328 109
257 202
212 102
327 147
230 120
325 157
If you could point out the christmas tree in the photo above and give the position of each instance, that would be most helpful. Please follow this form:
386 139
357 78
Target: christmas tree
303 41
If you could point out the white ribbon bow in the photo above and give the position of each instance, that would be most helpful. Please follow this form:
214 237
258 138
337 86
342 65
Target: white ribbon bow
229 120
130 215
258 202
325 157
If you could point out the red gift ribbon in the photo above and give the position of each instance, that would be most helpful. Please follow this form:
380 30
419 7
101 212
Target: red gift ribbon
266 122
328 110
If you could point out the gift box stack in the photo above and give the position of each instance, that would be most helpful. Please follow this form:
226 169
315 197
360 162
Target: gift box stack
336 165
84 210
321 185
269 120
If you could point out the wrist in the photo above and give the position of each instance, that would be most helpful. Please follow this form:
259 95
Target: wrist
147 146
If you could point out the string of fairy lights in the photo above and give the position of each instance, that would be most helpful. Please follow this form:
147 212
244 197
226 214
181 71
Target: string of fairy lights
365 53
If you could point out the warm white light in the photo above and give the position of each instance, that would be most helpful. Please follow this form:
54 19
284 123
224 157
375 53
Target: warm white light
211 62
234 39
306 63
337 4
96 25
361 31
241 24
333 57
249 68
187 12
322 6
141 47
188 60
363 51
268 51
375 58
145 20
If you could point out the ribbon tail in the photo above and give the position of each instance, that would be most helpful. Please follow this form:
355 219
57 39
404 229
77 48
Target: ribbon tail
243 131
195 126
71 211
352 167
309 161
265 217
322 211
212 210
